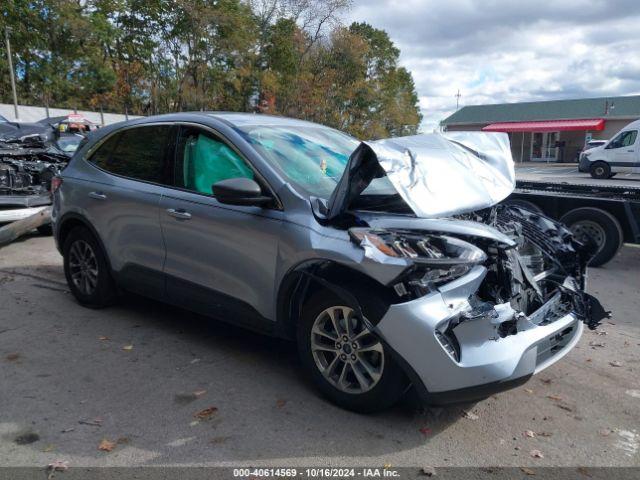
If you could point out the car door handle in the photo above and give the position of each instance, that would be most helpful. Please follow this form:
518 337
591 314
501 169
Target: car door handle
98 195
179 213
630 151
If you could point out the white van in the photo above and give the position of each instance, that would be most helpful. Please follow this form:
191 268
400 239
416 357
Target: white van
621 154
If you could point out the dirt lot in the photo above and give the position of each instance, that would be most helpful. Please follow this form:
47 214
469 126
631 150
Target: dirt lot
136 375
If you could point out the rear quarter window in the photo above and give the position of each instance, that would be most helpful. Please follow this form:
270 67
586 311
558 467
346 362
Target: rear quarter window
137 153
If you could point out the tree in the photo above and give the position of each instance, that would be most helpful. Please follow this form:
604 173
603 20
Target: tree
288 57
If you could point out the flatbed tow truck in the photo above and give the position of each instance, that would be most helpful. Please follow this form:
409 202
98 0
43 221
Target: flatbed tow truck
609 215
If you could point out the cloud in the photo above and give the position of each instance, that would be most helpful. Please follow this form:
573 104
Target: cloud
498 51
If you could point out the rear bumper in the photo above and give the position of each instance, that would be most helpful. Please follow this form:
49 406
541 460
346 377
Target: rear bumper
487 363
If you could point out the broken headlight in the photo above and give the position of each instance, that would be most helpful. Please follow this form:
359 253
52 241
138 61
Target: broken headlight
436 259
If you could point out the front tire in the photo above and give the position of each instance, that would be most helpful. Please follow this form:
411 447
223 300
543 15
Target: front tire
87 270
600 170
347 362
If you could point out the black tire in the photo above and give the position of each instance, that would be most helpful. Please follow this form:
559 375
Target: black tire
392 383
600 170
46 230
104 292
611 175
526 204
600 220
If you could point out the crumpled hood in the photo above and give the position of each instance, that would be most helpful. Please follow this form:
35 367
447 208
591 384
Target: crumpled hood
437 175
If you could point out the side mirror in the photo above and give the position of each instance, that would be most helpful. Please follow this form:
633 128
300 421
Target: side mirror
239 191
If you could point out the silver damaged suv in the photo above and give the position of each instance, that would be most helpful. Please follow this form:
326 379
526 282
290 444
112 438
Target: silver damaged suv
391 263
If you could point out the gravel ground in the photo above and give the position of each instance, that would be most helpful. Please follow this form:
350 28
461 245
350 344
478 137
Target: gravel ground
133 378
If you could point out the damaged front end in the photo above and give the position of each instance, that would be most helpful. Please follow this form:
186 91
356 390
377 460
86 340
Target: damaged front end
27 166
490 294
487 310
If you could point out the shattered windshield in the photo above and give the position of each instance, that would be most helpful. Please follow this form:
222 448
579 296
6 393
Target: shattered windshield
311 158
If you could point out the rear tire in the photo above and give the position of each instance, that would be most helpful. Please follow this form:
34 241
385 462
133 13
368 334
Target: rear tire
87 270
366 379
600 170
601 226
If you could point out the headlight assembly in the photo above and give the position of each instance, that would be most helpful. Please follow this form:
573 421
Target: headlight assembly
436 259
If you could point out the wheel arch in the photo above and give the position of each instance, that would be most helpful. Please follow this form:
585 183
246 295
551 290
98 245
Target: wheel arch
309 276
72 220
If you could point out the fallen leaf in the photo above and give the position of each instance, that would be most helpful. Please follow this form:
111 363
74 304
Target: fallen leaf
527 471
588 359
280 403
127 348
106 445
615 363
529 433
528 390
584 471
546 381
218 440
555 397
12 357
536 454
102 337
96 422
544 434
470 415
564 407
58 465
428 471
596 344
123 441
67 430
207 413
199 393
425 431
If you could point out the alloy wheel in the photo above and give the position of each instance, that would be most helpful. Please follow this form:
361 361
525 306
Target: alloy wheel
83 267
345 351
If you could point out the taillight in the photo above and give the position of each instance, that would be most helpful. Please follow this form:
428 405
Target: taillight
55 184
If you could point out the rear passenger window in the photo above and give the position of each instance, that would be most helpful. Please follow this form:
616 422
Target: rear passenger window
137 153
203 160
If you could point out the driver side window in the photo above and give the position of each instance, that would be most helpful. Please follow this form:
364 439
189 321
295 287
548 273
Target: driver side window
202 160
624 139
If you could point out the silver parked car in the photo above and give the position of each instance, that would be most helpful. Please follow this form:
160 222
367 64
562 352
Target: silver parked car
390 263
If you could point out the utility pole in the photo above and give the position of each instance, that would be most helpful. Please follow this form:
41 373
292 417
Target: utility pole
458 95
11 74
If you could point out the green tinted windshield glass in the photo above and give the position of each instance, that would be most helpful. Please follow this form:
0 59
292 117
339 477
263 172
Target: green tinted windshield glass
311 158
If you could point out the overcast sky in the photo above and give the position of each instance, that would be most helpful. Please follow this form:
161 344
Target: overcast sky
498 51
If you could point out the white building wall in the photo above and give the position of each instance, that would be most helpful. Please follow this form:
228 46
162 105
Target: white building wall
33 114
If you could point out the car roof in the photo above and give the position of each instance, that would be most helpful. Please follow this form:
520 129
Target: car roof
258 119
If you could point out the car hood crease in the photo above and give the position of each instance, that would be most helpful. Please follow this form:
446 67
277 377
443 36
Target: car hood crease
437 175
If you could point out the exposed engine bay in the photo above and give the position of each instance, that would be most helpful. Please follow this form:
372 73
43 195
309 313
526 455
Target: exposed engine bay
539 275
27 165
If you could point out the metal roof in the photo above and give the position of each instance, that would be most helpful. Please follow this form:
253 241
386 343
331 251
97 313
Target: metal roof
602 107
